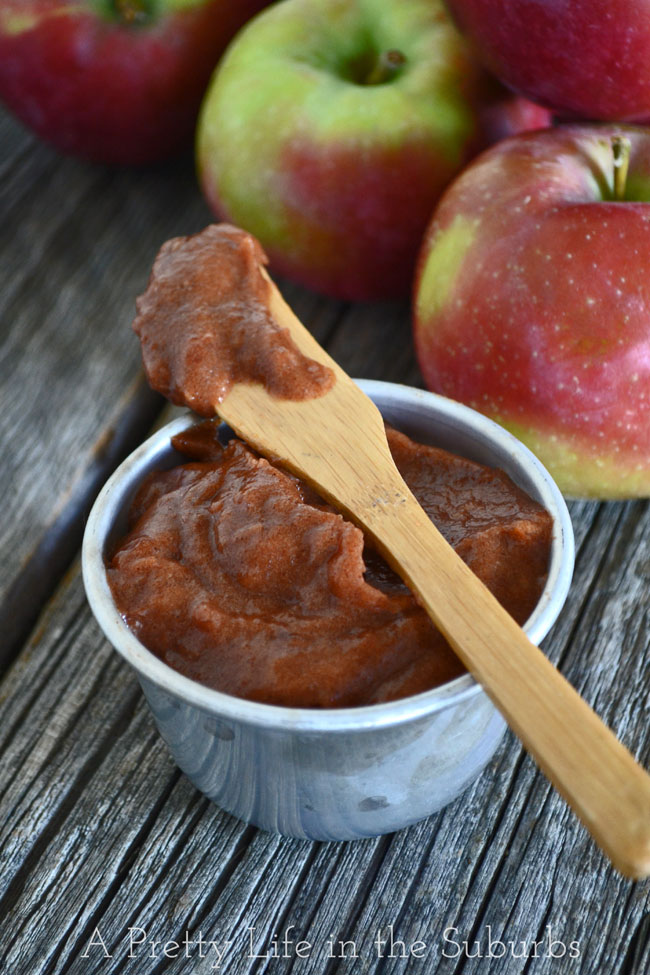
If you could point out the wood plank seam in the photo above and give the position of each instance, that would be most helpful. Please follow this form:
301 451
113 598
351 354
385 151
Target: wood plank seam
225 876
263 965
539 936
34 689
396 920
311 915
60 542
513 786
637 956
348 925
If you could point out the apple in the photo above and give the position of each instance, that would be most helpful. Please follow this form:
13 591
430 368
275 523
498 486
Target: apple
579 57
532 300
116 81
332 126
503 114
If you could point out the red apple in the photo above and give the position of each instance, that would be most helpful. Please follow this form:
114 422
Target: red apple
532 301
331 128
117 81
584 58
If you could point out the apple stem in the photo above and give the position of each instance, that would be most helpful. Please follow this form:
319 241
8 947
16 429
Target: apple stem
621 152
132 11
385 67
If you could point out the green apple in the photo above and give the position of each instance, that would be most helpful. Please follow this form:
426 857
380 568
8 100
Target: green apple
330 129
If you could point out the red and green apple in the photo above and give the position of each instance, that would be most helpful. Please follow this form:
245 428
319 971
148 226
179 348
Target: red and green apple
532 300
332 126
584 58
116 81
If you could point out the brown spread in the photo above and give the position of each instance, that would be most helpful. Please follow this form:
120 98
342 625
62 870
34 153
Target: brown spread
204 324
236 573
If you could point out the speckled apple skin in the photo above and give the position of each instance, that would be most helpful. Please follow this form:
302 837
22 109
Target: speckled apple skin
97 88
338 179
584 58
532 303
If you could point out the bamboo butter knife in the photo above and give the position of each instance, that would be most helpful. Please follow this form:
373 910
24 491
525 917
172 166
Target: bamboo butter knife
337 443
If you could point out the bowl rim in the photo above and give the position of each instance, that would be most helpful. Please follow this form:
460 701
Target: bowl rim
153 670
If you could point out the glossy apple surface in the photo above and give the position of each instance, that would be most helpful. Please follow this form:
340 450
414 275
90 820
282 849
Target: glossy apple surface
532 302
584 58
116 81
332 157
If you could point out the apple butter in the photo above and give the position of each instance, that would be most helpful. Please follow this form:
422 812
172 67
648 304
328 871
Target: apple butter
241 577
204 324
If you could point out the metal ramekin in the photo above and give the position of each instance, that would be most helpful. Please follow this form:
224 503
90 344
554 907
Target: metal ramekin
331 774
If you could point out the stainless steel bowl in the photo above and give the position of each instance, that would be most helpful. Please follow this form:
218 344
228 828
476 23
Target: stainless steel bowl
330 774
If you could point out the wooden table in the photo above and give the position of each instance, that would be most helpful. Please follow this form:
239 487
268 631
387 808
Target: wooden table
99 831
